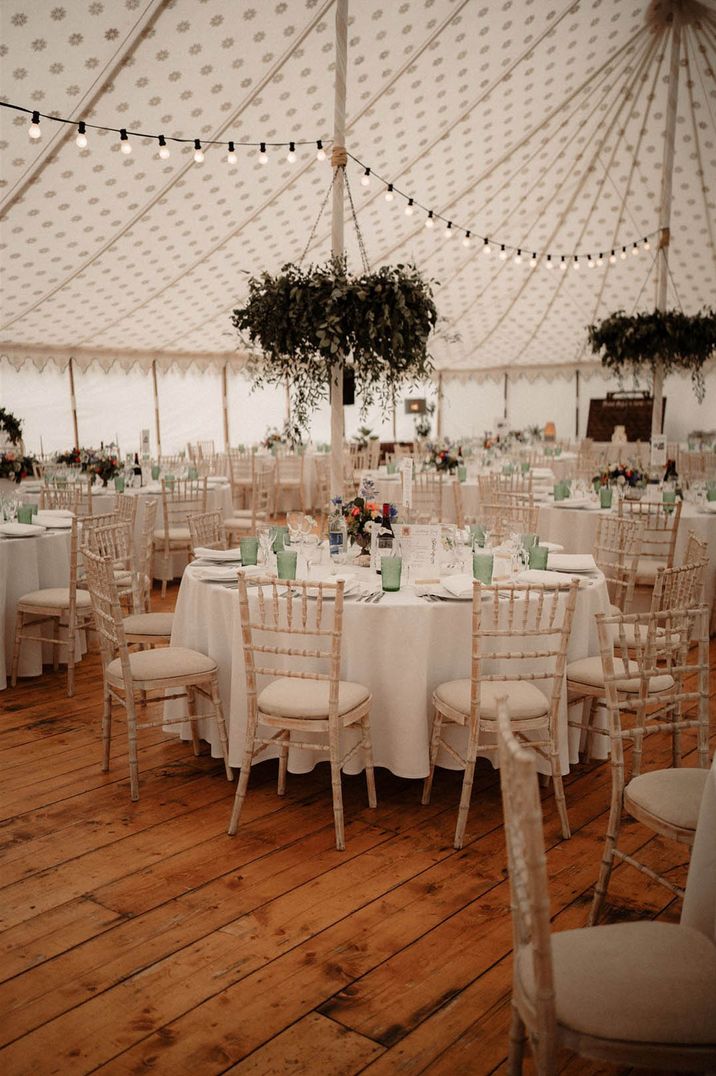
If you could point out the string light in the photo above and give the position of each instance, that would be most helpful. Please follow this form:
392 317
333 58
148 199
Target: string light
448 230
518 258
409 210
389 193
291 155
600 261
486 249
503 252
365 178
576 262
429 222
320 151
124 144
623 253
548 262
646 244
590 261
263 155
231 157
562 263
34 129
164 151
467 240
612 258
533 261
634 250
198 151
81 140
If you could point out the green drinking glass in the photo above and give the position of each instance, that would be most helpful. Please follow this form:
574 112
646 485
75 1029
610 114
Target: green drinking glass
605 496
482 565
668 497
538 557
286 563
169 481
558 490
119 483
24 513
477 533
249 550
711 493
156 471
390 571
461 472
391 468
528 540
524 467
279 541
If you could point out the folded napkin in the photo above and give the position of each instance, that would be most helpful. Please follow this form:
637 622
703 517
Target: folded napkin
216 573
571 562
460 586
230 556
535 575
58 513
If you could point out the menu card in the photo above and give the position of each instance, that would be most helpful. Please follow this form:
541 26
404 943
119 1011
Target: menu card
406 473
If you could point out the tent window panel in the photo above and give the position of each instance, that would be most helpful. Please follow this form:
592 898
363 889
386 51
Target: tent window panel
114 406
41 399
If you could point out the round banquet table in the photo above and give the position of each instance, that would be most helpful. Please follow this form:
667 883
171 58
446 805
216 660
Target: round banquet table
27 564
400 648
699 910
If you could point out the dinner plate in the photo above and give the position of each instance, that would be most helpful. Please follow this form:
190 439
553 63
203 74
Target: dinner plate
53 522
583 505
21 530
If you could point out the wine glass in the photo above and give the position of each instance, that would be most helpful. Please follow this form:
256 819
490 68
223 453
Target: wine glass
266 534
294 522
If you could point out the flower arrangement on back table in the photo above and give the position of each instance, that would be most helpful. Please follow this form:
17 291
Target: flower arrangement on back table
362 512
102 462
620 474
14 464
443 456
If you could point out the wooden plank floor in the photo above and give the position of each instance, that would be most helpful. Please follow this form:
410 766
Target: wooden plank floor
141 938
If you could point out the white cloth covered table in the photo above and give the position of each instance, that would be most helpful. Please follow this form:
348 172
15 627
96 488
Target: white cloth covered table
401 649
28 564
699 910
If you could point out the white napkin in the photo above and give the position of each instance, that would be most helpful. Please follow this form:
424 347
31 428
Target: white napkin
58 513
458 585
571 562
230 556
216 573
535 575
20 530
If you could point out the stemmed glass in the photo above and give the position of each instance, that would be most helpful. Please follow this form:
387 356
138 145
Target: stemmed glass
266 534
295 524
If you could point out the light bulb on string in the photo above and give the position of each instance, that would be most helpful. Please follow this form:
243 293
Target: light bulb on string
467 240
533 261
198 151
231 157
164 151
365 178
33 130
429 222
486 248
623 253
600 261
518 258
389 193
590 261
634 250
291 155
448 230
263 155
81 140
548 262
503 252
124 144
612 258
575 263
562 263
320 151
646 244
409 210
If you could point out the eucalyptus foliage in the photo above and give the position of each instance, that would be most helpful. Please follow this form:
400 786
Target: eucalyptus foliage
306 320
631 343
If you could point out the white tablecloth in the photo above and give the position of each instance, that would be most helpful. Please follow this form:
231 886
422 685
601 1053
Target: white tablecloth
699 910
27 564
401 648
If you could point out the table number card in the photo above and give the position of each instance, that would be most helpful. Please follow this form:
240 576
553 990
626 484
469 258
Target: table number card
658 450
144 444
420 545
406 474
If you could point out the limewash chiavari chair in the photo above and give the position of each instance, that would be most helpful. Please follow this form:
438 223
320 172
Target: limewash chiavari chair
184 499
143 557
172 463
52 499
125 507
262 501
146 676
289 479
660 529
289 639
207 530
323 482
427 504
696 550
508 515
663 692
242 473
617 544
526 628
109 537
66 607
630 994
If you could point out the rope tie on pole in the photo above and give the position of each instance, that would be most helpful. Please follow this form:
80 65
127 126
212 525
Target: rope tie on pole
339 157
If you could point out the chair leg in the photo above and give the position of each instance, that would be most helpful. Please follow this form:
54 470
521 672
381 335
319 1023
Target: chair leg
106 730
559 796
19 621
367 744
517 1043
221 725
434 748
241 787
132 744
71 642
337 789
283 763
164 588
192 716
587 719
605 869
466 794
55 644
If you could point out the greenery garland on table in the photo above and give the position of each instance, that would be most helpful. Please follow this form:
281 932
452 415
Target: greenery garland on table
305 320
683 342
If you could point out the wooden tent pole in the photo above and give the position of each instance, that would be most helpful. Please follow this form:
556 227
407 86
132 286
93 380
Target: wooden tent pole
337 241
156 408
504 394
73 402
225 403
439 416
667 175
576 405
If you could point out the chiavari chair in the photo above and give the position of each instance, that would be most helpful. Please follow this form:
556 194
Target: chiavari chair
185 498
207 530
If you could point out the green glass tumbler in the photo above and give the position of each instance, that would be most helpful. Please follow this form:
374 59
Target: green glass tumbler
279 541
538 557
528 540
461 472
286 563
391 468
605 496
390 571
477 534
249 550
711 493
558 491
24 513
119 483
482 565
156 471
668 497
192 474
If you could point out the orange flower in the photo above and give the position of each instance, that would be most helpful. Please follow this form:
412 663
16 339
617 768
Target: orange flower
355 511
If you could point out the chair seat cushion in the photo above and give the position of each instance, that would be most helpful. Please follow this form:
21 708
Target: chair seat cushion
289 697
159 624
176 534
672 795
525 700
163 664
633 982
589 671
55 598
122 577
647 567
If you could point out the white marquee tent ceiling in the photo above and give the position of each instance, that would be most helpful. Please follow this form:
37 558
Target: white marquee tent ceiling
536 122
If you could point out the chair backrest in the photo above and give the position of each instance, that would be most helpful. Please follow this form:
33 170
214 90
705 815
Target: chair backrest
617 544
289 468
278 616
110 539
125 507
526 626
143 550
107 611
658 643
205 450
373 454
207 530
241 467
529 894
427 504
68 498
679 588
262 494
659 527
508 515
323 481
458 502
696 550
187 497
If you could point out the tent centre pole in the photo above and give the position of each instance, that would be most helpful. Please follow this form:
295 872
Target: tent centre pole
337 241
156 408
73 402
